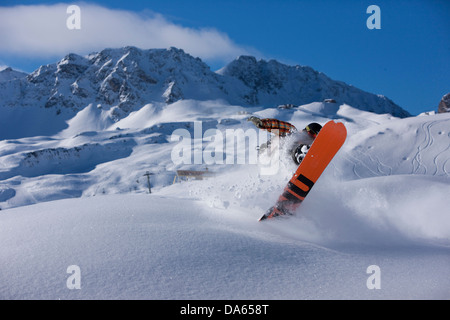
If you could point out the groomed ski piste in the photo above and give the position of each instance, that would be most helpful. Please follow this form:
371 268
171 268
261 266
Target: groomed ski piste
376 225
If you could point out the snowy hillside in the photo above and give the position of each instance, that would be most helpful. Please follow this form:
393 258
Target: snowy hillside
79 197
121 81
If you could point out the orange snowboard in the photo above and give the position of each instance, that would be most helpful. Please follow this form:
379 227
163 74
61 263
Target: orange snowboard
328 142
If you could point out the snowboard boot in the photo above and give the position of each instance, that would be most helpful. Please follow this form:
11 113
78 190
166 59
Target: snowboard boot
297 154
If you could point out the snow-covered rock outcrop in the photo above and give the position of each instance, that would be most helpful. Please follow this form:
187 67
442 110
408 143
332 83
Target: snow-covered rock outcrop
444 105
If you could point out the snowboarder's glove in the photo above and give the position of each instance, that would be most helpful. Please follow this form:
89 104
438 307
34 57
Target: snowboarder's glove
256 121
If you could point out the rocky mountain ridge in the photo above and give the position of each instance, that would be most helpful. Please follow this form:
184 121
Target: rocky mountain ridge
125 79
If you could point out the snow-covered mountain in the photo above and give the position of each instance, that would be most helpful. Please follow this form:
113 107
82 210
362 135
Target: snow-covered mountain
124 80
271 83
444 104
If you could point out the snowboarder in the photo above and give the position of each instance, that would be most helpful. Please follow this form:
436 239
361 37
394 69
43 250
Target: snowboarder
299 141
326 144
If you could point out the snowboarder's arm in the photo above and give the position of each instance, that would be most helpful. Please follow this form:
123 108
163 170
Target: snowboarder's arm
275 126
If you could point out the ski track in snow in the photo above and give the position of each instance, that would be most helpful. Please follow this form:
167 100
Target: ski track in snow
426 143
426 146
430 157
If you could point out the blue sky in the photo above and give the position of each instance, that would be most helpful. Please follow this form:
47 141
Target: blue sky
406 60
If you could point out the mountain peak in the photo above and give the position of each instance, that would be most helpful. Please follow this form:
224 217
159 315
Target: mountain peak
125 79
274 83
9 73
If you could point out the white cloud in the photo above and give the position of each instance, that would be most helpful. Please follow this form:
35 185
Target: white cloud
41 31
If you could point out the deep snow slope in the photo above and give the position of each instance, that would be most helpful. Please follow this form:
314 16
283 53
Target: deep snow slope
157 247
383 201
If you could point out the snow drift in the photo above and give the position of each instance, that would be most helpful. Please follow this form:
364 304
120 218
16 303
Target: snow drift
155 247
